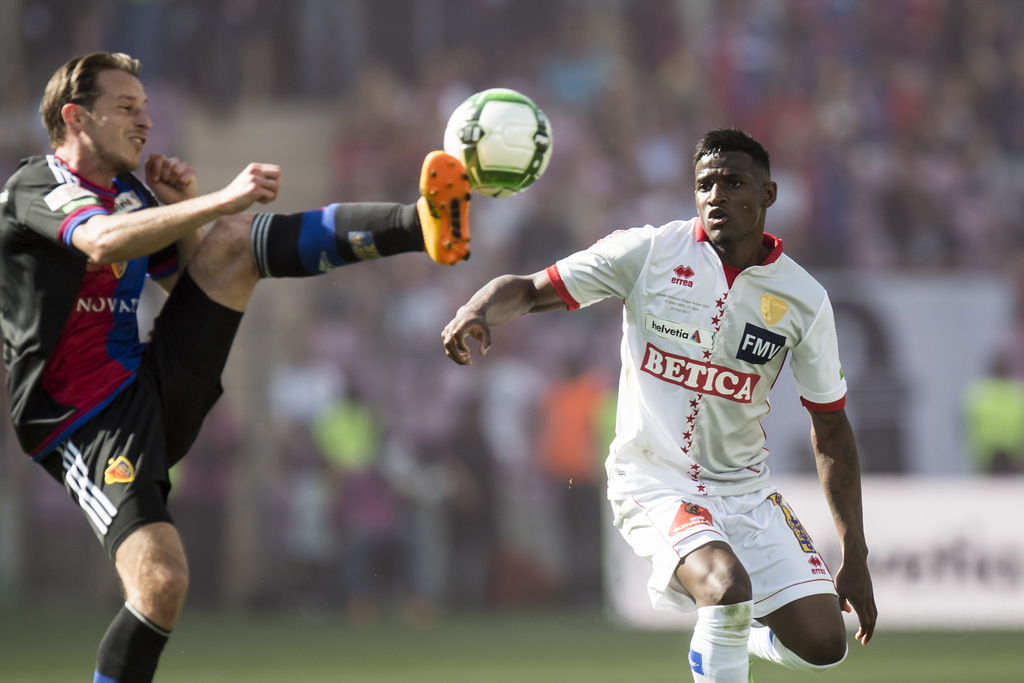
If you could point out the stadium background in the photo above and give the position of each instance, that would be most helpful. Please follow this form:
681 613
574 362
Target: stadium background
354 479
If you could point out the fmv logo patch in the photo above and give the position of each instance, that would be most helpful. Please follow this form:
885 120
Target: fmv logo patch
758 345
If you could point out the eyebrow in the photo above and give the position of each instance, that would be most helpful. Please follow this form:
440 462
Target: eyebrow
133 98
728 173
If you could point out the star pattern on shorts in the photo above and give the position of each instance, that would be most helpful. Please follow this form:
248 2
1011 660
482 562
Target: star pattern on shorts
702 489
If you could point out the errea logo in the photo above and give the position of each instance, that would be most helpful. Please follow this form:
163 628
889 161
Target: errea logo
683 275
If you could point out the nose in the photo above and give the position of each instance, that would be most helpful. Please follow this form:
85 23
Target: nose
143 120
716 195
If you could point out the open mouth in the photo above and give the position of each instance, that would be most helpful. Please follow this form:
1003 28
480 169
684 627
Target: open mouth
717 216
137 140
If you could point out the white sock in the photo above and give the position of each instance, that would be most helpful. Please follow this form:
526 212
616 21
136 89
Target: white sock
718 649
763 643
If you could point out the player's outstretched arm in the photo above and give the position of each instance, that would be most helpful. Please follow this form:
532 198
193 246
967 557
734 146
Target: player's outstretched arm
122 237
839 471
499 301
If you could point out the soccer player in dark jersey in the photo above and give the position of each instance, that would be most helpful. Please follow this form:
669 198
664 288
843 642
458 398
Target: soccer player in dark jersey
105 414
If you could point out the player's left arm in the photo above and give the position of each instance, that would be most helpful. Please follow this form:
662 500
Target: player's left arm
838 466
172 181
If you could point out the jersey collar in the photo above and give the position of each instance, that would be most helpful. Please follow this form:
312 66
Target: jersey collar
98 189
773 243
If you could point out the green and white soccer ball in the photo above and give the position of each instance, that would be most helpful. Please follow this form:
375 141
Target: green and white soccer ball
502 138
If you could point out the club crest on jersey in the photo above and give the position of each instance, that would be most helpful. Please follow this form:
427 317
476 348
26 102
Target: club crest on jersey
683 276
679 332
798 529
689 516
772 309
119 471
119 268
758 345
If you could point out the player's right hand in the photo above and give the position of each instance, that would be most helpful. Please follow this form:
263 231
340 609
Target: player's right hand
467 322
257 183
855 591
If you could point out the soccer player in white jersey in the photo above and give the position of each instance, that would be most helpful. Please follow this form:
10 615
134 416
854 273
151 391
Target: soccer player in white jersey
712 307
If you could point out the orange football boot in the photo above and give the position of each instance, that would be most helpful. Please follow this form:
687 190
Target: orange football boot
444 208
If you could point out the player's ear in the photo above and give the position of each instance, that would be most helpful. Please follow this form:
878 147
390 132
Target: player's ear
71 114
769 193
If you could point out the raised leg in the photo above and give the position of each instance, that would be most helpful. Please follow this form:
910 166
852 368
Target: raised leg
807 634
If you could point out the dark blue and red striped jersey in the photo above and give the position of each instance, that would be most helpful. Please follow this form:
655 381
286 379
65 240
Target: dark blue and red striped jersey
70 330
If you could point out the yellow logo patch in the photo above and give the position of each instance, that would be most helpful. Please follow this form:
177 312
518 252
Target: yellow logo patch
772 309
122 267
802 536
119 471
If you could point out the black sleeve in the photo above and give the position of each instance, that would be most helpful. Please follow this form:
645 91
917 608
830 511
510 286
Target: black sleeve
48 207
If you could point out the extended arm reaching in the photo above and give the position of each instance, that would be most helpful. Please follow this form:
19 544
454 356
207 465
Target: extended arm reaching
121 237
839 472
496 303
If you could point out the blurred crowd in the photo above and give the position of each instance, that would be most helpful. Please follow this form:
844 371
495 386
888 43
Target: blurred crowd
896 131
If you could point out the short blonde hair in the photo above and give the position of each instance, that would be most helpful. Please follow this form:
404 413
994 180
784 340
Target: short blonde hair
76 83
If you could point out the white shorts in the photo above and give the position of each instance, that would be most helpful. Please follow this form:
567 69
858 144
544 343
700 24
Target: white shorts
664 526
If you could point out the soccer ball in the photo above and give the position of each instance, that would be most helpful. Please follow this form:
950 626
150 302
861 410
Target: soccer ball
502 138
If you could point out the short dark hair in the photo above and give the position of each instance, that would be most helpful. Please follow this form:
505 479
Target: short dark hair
722 140
75 83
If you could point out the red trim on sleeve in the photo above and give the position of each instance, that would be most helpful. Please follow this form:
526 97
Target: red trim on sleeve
76 218
560 290
824 407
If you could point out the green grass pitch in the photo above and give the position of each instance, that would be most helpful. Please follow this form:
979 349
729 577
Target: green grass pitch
530 648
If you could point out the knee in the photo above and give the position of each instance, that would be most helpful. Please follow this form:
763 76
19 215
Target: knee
726 585
167 583
229 235
826 650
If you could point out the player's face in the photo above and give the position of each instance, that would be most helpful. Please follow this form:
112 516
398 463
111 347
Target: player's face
732 195
115 127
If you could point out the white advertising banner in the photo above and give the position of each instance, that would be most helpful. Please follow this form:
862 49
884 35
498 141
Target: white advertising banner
945 553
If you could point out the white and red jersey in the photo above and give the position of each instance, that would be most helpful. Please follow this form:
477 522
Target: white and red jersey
702 345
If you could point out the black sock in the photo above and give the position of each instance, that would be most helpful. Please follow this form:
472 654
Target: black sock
130 649
315 242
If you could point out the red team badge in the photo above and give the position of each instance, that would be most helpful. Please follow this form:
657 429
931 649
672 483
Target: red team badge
689 516
119 471
817 566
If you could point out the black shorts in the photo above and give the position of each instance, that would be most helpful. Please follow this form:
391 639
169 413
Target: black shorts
116 465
